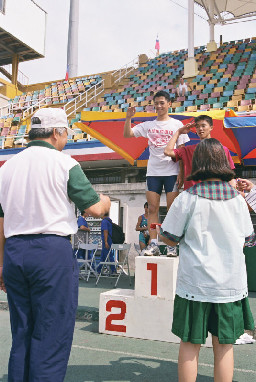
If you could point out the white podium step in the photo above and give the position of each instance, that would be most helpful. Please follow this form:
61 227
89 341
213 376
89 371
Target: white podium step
156 276
123 314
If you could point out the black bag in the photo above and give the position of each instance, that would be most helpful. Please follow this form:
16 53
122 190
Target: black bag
118 236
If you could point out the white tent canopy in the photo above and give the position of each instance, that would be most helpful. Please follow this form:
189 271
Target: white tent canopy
229 10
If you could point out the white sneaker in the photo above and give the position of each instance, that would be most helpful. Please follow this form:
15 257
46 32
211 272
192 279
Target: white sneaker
152 250
171 251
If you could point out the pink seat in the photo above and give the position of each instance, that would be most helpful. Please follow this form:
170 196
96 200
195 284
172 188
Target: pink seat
245 102
4 132
203 95
215 94
241 86
205 107
196 92
150 109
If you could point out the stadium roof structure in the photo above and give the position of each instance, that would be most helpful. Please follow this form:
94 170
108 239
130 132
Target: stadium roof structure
229 11
10 45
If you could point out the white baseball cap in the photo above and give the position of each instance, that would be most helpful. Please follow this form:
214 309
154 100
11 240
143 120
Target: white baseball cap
51 117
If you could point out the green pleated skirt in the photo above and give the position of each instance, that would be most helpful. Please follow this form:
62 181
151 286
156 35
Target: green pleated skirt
192 320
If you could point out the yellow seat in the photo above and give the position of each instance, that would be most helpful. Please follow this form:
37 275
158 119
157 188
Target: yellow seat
8 142
218 89
215 81
176 104
232 103
239 92
244 108
192 108
237 97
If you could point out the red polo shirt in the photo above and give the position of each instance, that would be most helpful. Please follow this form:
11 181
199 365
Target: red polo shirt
186 153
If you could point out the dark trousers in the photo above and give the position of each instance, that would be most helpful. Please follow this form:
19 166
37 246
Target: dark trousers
41 278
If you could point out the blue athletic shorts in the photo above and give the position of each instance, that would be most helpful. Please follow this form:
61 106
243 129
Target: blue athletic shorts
156 184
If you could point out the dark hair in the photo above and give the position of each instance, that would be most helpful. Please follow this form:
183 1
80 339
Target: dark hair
210 161
37 133
204 118
164 94
146 204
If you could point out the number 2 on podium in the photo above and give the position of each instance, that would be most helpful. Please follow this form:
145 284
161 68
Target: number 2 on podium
115 316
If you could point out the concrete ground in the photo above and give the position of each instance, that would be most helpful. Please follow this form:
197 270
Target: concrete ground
98 357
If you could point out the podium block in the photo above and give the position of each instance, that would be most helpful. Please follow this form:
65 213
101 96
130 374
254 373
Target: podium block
123 314
156 276
147 311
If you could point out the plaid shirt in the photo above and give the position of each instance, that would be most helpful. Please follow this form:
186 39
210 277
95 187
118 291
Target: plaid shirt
214 190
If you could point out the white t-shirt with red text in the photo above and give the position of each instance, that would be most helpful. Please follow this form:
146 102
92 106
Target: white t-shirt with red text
159 133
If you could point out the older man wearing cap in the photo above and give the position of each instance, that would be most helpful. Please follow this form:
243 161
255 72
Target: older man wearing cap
37 266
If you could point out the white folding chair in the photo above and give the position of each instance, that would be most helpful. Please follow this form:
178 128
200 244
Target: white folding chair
117 263
87 266
137 249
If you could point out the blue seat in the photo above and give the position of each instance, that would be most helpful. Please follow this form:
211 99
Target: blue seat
228 93
251 90
188 103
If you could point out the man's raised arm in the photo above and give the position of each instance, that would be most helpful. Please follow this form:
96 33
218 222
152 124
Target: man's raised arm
128 133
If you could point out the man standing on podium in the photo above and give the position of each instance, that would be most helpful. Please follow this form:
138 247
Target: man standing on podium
161 170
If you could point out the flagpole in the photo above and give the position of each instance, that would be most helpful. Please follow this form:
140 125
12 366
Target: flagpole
157 46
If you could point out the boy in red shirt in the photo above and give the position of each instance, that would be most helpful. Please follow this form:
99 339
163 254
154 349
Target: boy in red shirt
204 126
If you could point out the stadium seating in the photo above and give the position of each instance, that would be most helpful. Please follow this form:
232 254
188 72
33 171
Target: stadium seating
226 79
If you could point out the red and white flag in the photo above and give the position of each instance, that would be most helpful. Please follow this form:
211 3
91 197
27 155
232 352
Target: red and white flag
67 73
157 46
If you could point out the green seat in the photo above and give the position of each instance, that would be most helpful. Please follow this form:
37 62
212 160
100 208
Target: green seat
230 87
212 100
207 90
217 105
217 75
179 109
199 102
249 96
248 72
224 99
